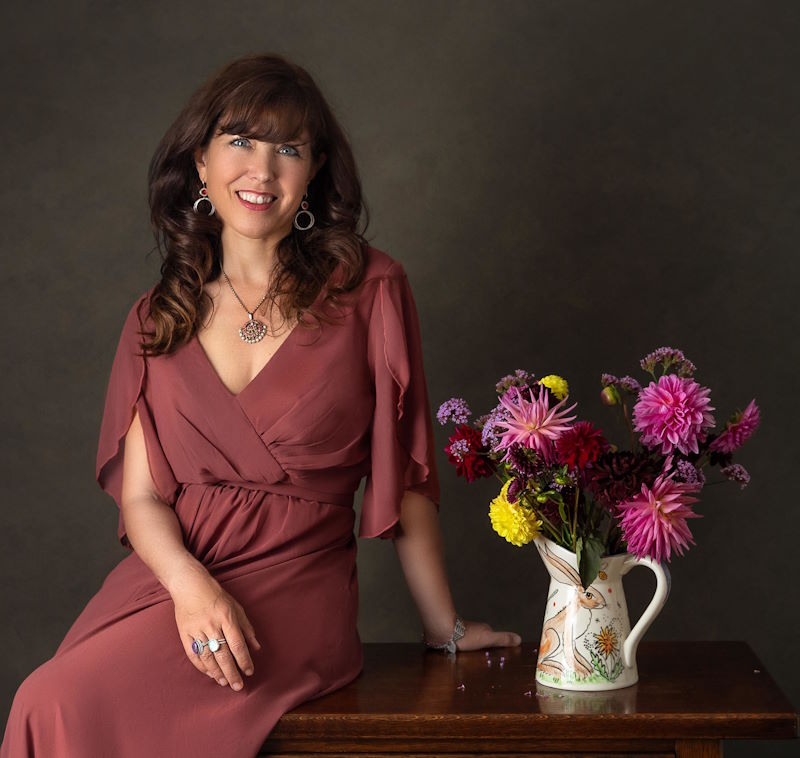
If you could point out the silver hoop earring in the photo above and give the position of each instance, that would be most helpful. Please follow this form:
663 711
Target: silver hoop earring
298 216
204 196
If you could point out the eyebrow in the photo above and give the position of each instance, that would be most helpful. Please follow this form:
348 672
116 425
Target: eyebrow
220 133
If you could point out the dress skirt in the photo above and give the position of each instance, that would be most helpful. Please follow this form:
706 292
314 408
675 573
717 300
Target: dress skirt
263 485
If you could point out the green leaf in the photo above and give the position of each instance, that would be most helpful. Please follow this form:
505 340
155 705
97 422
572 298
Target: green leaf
589 559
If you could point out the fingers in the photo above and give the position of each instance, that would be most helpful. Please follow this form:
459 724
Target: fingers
507 639
212 614
249 632
223 661
235 653
205 662
480 635
194 659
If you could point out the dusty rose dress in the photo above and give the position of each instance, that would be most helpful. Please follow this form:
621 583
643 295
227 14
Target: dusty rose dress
262 483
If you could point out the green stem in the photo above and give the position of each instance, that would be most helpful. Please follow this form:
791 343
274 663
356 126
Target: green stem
629 425
547 523
575 514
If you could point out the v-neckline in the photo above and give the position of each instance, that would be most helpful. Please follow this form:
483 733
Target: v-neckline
261 371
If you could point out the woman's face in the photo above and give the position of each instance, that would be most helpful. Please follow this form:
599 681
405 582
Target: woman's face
256 186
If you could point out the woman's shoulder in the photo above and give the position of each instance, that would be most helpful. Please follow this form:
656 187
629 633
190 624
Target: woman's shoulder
138 311
380 264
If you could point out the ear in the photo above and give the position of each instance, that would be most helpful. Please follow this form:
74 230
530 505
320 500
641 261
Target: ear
200 162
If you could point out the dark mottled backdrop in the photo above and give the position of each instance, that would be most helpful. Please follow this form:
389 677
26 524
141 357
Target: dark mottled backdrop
568 184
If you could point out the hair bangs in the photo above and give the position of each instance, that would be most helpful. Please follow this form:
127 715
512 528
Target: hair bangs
270 116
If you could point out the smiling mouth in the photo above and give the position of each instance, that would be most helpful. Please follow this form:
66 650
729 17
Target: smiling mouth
255 198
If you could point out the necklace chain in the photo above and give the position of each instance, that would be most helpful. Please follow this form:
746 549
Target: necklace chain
254 330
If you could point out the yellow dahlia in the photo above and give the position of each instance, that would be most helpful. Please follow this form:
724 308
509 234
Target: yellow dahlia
513 521
556 385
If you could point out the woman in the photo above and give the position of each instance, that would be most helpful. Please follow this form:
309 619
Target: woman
275 364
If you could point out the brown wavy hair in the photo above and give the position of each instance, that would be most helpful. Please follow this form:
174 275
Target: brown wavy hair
268 98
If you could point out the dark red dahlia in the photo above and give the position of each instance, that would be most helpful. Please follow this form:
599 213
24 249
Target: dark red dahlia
615 477
467 454
581 444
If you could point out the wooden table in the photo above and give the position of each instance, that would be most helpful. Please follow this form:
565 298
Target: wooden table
690 696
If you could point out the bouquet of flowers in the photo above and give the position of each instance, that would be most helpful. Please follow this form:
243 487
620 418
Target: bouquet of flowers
563 479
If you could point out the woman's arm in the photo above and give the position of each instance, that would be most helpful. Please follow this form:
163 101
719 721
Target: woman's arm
203 609
420 548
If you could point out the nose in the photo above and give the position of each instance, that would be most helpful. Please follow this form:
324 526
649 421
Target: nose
262 166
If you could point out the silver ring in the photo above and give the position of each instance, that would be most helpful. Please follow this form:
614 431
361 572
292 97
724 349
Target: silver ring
213 645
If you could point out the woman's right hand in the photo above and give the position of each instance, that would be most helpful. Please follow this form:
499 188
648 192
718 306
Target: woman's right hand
203 610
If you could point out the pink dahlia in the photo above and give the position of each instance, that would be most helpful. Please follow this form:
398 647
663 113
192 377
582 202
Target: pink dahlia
532 423
654 521
673 413
738 430
581 444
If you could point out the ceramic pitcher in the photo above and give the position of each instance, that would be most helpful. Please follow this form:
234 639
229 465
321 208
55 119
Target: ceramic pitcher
587 642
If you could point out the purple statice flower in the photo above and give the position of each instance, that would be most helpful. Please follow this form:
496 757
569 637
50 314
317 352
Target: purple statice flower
736 473
629 384
455 409
626 383
668 357
459 449
490 436
560 480
687 472
520 378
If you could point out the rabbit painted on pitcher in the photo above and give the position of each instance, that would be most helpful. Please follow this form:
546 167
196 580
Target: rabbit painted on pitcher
587 642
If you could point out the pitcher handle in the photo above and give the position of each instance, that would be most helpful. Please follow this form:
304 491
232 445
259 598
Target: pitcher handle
663 584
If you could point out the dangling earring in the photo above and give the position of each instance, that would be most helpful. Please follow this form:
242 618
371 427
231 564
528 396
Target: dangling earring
204 196
297 216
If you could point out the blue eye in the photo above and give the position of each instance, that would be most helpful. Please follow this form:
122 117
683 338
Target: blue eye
240 139
289 147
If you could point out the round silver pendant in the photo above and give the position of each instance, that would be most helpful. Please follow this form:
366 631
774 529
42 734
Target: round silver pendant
253 331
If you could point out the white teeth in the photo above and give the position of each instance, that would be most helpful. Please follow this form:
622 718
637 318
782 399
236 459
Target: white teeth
251 197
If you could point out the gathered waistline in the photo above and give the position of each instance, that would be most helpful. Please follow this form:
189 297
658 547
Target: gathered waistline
283 488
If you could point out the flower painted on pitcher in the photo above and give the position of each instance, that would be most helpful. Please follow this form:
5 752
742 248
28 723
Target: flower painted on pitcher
738 430
606 642
513 521
581 444
556 385
532 423
654 521
673 413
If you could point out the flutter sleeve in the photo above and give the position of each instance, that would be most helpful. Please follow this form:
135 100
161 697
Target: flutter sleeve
402 443
126 392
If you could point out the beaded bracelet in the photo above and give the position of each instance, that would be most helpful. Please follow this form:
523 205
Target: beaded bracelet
450 646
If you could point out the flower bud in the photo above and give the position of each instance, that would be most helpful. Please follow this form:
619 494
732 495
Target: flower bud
610 396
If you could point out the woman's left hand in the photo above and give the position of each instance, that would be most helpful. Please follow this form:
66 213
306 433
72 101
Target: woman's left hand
480 635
